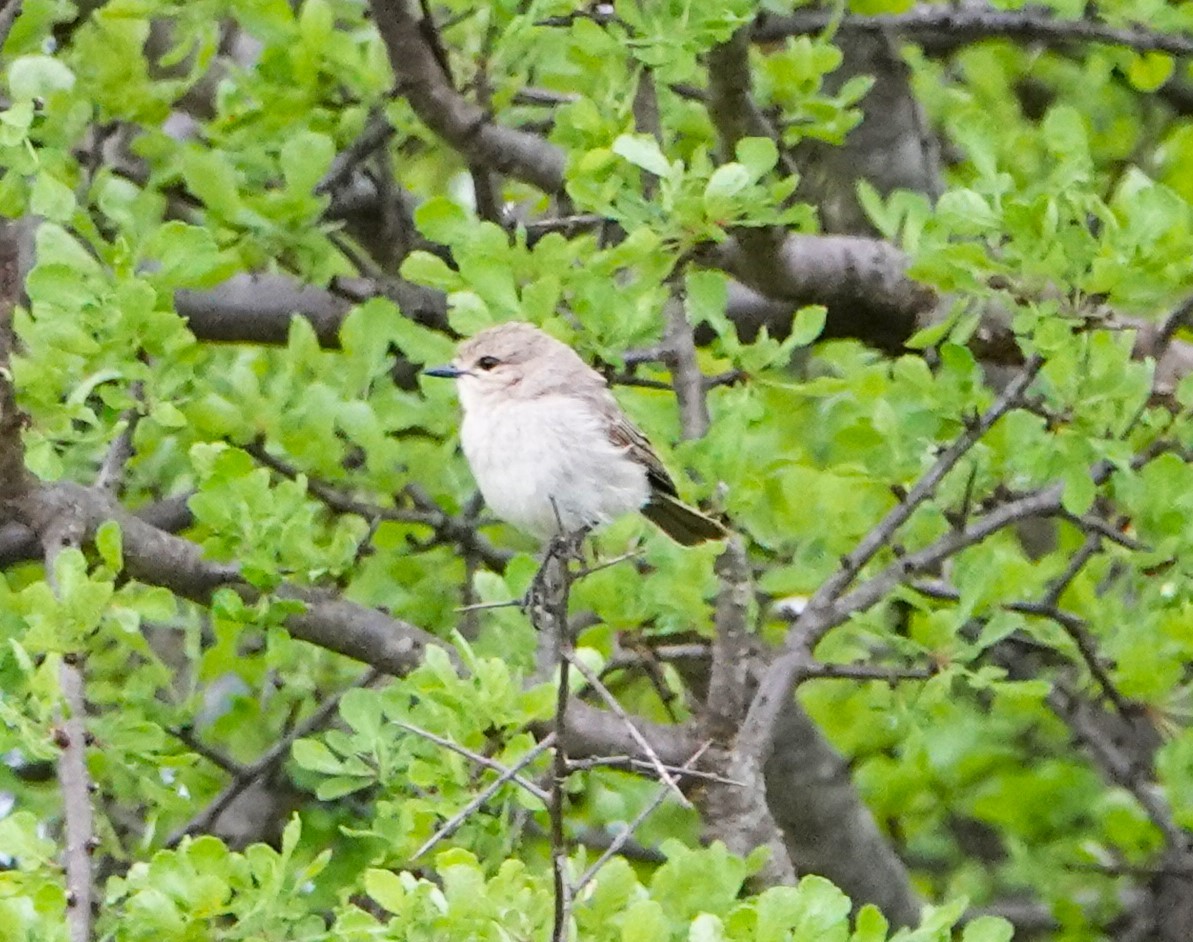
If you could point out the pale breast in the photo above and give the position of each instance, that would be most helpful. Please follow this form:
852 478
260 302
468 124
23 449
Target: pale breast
549 461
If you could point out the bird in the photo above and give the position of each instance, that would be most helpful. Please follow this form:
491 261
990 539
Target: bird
551 450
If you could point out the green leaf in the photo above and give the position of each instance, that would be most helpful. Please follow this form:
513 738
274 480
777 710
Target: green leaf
426 269
188 254
1149 70
386 890
727 180
361 710
988 929
643 921
313 755
305 158
870 925
758 154
808 325
444 220
1080 491
38 76
167 415
109 542
642 150
51 199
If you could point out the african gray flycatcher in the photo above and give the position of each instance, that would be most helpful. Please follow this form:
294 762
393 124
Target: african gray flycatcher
548 444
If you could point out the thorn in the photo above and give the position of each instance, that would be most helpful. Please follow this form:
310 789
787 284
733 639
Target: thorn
61 739
900 492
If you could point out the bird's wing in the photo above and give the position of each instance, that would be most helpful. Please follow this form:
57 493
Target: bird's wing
624 434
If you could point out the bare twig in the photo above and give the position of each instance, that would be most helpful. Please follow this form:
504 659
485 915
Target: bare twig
186 736
14 478
611 702
881 535
476 757
449 827
111 471
628 832
376 133
8 16
690 388
64 532
732 663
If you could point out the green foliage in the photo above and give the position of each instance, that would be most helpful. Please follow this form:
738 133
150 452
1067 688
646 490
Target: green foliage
1063 226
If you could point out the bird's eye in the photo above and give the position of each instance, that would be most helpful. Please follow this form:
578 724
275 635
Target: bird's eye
487 363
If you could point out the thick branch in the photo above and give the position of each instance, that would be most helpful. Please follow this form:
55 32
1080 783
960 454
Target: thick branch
14 478
826 826
19 544
462 124
364 634
863 283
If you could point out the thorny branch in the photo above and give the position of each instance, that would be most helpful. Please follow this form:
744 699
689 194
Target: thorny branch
450 826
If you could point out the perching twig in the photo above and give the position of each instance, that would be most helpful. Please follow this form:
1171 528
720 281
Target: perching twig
547 606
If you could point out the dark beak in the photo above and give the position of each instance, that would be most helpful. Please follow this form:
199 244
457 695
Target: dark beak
447 372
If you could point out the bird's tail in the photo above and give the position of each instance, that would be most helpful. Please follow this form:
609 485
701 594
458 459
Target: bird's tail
682 523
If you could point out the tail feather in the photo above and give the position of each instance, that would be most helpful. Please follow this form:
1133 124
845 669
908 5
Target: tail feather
682 523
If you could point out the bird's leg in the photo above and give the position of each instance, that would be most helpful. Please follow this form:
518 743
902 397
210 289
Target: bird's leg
554 574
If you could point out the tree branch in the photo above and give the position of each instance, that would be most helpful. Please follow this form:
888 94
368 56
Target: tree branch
463 125
944 27
863 282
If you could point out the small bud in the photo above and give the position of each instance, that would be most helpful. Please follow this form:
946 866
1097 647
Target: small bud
61 739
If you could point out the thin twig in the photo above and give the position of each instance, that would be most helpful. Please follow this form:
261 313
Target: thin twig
449 827
630 828
476 757
75 783
890 675
111 471
274 756
187 737
376 133
681 772
881 535
611 701
72 738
